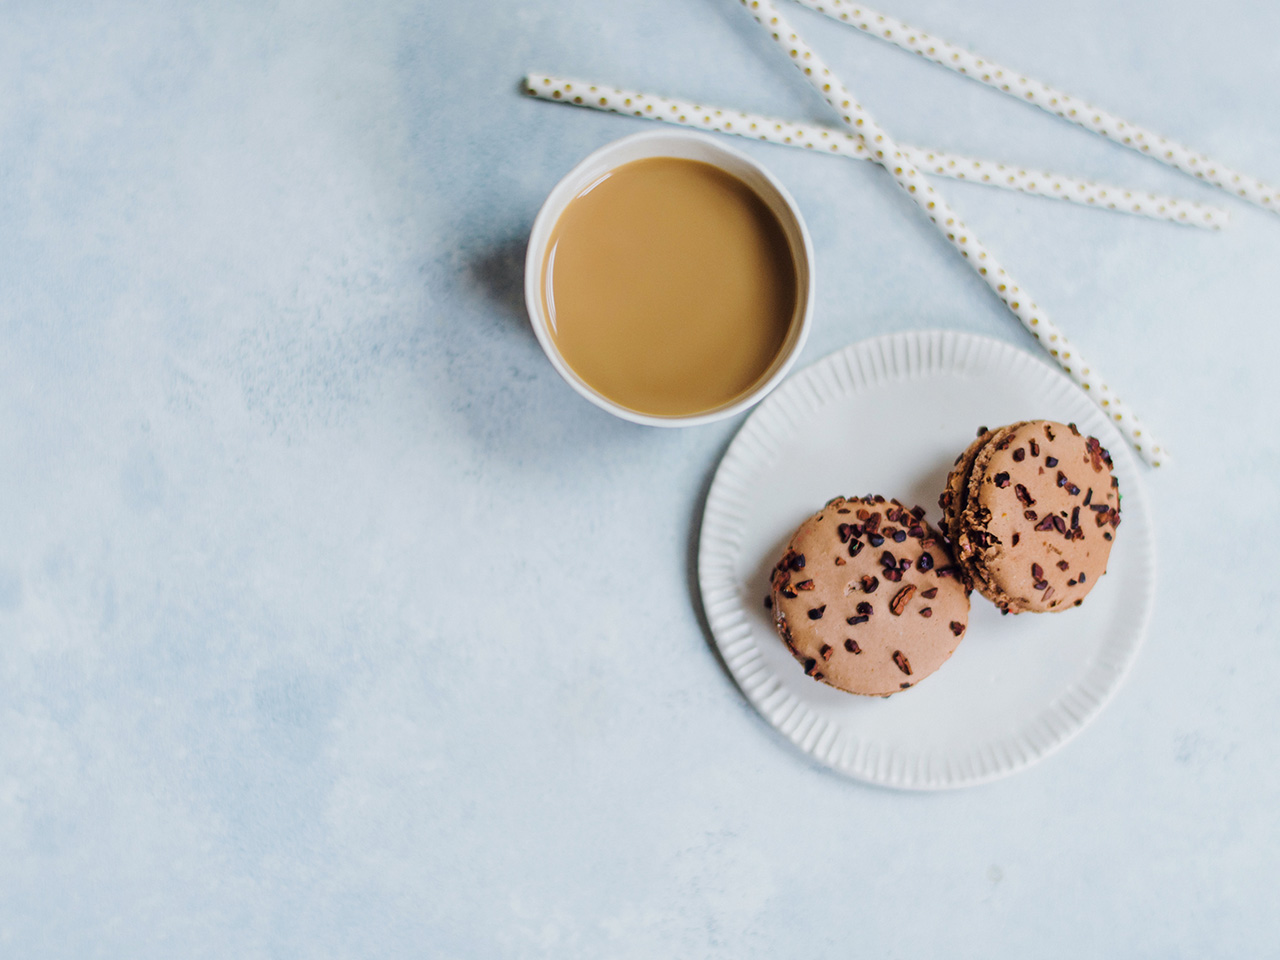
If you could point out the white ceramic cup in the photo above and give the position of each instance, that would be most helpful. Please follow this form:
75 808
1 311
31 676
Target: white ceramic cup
686 146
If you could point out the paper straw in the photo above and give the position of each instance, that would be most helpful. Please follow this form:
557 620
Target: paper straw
904 173
835 140
1048 98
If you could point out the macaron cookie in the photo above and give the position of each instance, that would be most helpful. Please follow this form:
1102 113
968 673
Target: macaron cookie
1032 510
867 597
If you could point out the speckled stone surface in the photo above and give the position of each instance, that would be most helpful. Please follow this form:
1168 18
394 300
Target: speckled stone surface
333 624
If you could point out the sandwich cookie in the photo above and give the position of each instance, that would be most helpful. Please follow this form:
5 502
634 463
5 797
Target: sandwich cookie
1032 511
867 596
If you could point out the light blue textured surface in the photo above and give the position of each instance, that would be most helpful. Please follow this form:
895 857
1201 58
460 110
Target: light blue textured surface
333 624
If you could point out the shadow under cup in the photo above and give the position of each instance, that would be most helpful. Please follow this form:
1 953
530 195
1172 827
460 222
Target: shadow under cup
618 317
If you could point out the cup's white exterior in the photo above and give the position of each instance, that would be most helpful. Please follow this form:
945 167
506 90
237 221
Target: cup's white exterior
686 146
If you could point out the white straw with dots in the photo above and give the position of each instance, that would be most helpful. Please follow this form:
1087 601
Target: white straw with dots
1060 104
889 156
836 140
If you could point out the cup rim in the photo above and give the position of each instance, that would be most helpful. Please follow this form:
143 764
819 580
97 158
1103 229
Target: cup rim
658 143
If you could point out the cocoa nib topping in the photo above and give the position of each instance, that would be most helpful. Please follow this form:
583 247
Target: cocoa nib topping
887 559
819 676
864 514
1019 455
926 611
930 593
875 539
1060 525
1097 455
1030 514
899 536
1016 538
840 561
904 685
893 575
845 531
810 666
804 585
1047 594
957 627
948 571
870 583
1024 497
817 612
854 621
1004 445
1037 572
825 651
918 512
899 601
1041 585
1088 497
916 531
1081 578
852 646
1099 507
865 607
797 562
1045 524
1063 565
1075 517
925 563
1035 448
1106 535
1074 429
903 664
981 431
855 547
872 523
1048 431
1050 461
1001 480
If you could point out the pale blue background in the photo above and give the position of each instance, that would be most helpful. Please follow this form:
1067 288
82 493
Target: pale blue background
332 623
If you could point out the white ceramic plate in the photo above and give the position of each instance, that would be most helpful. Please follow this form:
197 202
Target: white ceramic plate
889 416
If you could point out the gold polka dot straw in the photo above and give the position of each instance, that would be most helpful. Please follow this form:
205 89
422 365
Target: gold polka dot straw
905 174
1060 104
839 142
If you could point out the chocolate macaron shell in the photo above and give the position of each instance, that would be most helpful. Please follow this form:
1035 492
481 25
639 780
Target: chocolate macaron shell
866 597
1042 516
